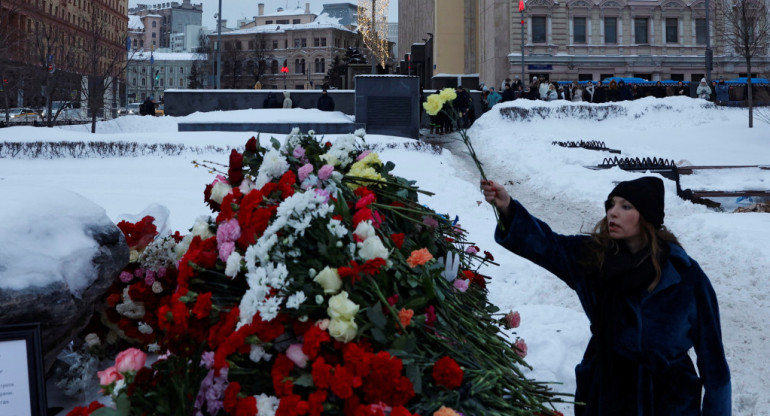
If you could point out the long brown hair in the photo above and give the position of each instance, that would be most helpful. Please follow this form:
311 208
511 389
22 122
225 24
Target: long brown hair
653 239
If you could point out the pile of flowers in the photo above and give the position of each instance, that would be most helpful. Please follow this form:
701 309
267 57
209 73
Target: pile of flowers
320 285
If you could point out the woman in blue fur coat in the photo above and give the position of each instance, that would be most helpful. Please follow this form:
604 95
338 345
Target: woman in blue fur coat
648 302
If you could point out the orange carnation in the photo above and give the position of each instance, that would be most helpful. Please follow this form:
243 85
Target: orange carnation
445 411
405 316
419 257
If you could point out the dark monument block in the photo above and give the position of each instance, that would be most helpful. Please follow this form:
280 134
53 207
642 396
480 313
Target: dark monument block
389 104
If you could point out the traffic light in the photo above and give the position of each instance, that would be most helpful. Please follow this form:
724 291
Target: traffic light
157 77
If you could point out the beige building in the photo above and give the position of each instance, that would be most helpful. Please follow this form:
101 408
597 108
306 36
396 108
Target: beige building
571 40
306 46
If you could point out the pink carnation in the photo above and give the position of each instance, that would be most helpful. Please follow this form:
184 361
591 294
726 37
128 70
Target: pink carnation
305 171
325 172
512 320
461 285
521 347
299 152
296 355
125 276
225 250
228 231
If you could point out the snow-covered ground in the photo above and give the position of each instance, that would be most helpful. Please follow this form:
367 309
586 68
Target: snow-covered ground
553 182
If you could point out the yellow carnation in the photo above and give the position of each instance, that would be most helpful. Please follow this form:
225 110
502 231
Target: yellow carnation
433 105
448 94
371 159
360 170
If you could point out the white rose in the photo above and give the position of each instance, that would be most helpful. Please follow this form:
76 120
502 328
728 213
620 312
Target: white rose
364 230
202 228
340 307
329 279
372 248
219 191
133 256
343 330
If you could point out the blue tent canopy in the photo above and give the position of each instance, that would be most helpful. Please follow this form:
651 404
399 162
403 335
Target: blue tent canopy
626 80
743 80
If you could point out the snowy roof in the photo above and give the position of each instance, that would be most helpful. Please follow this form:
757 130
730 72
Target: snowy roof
292 12
321 22
167 56
135 23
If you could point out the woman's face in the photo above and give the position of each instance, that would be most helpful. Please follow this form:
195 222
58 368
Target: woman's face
623 220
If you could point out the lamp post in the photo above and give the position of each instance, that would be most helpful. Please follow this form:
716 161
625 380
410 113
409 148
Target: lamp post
709 52
523 79
152 70
219 46
285 72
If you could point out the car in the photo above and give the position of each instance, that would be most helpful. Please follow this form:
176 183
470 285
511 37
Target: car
159 110
68 110
21 115
132 109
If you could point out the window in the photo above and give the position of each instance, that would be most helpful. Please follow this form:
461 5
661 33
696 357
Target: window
275 44
323 41
238 45
538 29
133 82
672 30
579 30
611 30
640 30
296 43
304 42
282 22
268 22
181 70
251 45
143 80
316 42
295 21
274 67
181 82
154 24
700 31
154 35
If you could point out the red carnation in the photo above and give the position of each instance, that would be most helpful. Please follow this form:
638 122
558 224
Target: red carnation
322 373
314 337
447 373
202 307
398 239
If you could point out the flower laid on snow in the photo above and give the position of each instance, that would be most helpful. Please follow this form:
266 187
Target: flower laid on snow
512 320
313 289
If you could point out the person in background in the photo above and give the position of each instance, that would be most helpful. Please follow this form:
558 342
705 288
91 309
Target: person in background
590 89
505 81
703 91
713 95
494 97
600 95
680 90
507 93
552 95
723 90
624 91
647 301
149 106
325 102
544 89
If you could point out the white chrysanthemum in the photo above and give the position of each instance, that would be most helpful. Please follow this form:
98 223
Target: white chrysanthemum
145 329
360 133
273 166
267 405
129 308
364 230
269 309
372 248
219 191
337 228
258 354
233 266
295 300
159 254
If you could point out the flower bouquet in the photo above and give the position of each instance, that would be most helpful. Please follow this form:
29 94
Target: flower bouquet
319 286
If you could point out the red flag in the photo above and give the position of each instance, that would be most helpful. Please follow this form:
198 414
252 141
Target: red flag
521 5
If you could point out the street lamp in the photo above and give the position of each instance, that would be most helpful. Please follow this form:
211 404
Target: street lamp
219 46
523 79
709 52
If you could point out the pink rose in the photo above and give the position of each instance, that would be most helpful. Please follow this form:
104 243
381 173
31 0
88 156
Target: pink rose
131 359
296 355
461 285
305 171
513 319
108 376
325 172
521 347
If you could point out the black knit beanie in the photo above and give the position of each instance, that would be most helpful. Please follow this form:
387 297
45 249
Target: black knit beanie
646 195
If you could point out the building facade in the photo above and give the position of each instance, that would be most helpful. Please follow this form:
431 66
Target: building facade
151 73
168 18
571 40
47 47
293 55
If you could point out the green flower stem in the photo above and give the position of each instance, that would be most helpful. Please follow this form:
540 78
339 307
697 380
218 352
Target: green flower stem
361 180
385 303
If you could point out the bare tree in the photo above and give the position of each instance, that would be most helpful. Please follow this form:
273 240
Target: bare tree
746 30
104 63
258 56
56 58
11 39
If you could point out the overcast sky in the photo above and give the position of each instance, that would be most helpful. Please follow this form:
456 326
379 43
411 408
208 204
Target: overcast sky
233 10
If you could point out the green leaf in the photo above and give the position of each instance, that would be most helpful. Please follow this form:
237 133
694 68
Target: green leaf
404 343
389 166
379 336
375 315
123 405
276 144
305 380
416 303
413 374
104 411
